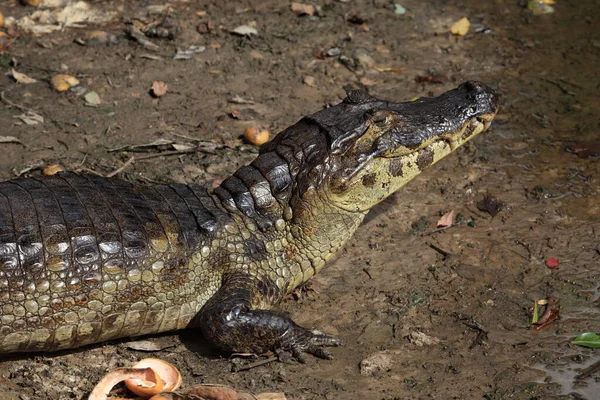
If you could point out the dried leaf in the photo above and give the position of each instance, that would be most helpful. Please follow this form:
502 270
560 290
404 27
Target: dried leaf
303 9
245 30
63 82
30 118
460 27
184 147
447 220
9 139
389 69
159 88
189 53
490 204
21 78
92 98
240 100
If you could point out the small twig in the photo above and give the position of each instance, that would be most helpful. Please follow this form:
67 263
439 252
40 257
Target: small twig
89 170
558 85
443 228
444 253
120 169
255 364
481 334
167 153
10 103
366 271
589 371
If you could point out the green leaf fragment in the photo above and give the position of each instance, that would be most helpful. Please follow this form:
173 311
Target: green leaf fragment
536 313
92 98
399 10
588 339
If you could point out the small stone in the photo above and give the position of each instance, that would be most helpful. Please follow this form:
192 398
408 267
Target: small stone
333 52
309 81
375 363
421 339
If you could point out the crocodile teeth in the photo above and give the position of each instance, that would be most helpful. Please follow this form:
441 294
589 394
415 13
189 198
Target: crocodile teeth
453 144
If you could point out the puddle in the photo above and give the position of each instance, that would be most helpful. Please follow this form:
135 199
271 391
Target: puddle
565 375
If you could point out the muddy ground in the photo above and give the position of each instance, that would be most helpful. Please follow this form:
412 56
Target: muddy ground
388 283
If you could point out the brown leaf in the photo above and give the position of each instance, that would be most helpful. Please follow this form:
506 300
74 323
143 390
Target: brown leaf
490 204
585 150
159 88
447 220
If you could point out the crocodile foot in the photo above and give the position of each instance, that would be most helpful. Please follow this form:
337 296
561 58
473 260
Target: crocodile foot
229 321
302 341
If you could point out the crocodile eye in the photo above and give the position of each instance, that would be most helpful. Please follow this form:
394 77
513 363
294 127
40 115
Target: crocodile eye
472 110
377 117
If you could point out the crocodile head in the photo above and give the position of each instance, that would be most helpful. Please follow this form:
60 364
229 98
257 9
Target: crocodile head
394 142
362 150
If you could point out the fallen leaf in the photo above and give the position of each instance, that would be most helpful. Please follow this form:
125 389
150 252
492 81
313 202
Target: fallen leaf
5 42
244 30
53 169
389 69
159 88
399 10
460 27
588 339
183 147
9 139
490 204
303 9
30 118
21 78
240 100
447 220
189 53
63 82
92 98
585 150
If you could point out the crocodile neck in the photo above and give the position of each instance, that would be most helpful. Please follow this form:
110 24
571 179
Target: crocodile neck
286 216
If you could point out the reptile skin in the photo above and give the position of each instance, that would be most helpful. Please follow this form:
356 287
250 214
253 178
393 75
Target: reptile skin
85 259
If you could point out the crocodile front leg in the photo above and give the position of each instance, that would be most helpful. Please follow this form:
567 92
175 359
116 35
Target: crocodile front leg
233 321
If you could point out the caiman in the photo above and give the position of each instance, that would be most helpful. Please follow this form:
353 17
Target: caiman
85 259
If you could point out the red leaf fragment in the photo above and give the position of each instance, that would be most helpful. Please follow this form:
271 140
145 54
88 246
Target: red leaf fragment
552 263
447 220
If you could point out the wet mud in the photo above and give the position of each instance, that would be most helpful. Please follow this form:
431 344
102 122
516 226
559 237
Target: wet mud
453 324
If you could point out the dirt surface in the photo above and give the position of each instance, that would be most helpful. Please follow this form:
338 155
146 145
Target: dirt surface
389 286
